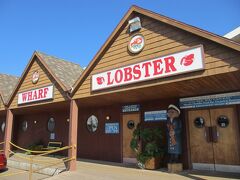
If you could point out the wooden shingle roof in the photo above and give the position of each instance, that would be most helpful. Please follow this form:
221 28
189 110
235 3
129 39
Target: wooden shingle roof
64 72
67 72
7 85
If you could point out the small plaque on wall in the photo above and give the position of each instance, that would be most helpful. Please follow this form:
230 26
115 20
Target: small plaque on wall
131 108
112 128
155 115
52 136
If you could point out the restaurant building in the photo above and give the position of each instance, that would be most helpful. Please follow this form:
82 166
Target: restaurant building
148 62
7 84
39 107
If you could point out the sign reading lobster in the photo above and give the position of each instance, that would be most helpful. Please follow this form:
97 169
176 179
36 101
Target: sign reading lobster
169 65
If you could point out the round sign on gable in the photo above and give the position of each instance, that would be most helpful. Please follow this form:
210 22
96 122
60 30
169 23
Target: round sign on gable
35 77
136 44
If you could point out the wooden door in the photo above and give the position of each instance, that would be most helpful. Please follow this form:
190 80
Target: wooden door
226 149
128 154
213 147
202 156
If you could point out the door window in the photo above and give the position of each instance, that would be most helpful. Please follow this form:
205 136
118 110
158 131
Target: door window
199 122
222 121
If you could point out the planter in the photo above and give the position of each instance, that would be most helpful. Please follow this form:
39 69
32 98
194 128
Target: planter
153 163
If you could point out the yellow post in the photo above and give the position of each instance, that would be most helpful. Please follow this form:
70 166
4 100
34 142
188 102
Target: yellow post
30 168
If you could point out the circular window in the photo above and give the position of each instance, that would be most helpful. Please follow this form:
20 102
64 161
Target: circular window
3 126
130 124
223 121
24 126
51 124
199 122
92 123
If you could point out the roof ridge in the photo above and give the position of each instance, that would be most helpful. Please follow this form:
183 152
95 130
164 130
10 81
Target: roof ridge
61 59
138 8
9 75
69 72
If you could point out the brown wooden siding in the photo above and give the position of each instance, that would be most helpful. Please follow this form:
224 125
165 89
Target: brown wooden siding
44 80
162 39
38 133
101 146
98 145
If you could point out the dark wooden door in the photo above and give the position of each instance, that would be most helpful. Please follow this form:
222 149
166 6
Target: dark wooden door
226 149
128 154
202 156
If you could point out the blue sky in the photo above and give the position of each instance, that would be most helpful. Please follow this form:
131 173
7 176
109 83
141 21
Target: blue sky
76 29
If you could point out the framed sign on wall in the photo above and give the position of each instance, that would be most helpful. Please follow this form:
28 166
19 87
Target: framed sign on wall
155 115
112 128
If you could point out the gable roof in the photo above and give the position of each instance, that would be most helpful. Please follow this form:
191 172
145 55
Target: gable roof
7 85
64 72
67 72
194 30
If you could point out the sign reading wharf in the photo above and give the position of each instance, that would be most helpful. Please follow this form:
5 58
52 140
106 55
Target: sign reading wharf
40 94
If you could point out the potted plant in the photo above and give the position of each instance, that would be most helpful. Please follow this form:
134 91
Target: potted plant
146 142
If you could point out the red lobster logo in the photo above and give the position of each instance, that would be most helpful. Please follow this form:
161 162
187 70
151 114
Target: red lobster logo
136 41
100 80
187 60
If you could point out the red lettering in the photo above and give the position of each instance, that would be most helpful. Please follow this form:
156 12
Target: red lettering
136 72
109 82
29 95
169 63
118 76
35 95
128 74
24 97
146 65
157 67
45 92
40 94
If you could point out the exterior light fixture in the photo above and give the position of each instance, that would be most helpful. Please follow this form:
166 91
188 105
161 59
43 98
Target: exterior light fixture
35 122
134 24
68 119
108 117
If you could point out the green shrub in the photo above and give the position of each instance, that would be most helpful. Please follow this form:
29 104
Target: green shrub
150 139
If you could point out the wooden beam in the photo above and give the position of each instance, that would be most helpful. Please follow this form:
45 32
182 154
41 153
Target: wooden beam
8 132
73 126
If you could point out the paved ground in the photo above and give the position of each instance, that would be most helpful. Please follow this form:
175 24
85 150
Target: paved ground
10 174
96 170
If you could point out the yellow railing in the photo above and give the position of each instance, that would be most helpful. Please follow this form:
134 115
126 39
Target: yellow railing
32 159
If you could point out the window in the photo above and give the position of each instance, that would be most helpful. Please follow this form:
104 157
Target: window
24 126
51 124
92 123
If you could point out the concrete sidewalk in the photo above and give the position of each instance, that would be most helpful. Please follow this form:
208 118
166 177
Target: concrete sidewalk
92 170
9 174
